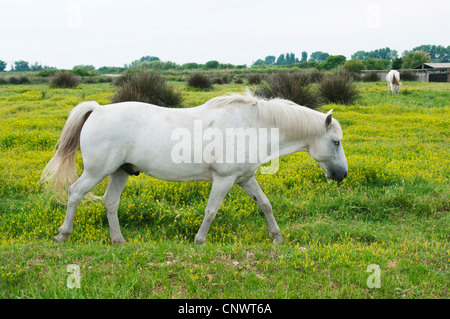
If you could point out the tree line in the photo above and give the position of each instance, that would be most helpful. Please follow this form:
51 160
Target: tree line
380 59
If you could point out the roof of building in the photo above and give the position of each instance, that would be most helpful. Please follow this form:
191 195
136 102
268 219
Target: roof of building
433 66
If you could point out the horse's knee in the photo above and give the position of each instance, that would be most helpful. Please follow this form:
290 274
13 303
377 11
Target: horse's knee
209 216
265 206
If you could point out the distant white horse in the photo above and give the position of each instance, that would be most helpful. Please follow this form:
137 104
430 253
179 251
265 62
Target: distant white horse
127 138
393 80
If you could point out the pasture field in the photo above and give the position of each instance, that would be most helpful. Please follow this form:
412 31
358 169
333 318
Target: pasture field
390 214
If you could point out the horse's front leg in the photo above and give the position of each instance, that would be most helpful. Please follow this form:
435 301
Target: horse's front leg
219 189
252 188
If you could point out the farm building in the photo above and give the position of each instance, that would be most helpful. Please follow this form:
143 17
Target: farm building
435 72
426 72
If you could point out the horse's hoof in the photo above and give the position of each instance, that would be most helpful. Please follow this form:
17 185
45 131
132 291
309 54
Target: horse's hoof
60 238
199 242
119 242
278 240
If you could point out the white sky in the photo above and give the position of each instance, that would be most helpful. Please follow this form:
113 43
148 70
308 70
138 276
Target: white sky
65 33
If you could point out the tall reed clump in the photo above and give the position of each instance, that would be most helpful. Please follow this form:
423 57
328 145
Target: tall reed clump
147 87
64 80
295 87
199 80
339 88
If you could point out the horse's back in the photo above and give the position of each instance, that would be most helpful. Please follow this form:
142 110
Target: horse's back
143 135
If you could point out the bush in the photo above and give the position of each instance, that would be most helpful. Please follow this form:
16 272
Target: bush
339 88
64 79
121 79
239 81
290 86
46 73
199 80
354 65
147 87
314 76
371 76
18 80
254 79
408 75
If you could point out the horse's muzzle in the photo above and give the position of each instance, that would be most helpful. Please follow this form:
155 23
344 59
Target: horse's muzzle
337 175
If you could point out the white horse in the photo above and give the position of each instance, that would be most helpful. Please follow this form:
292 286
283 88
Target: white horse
123 139
393 80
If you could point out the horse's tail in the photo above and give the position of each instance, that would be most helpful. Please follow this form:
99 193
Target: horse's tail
396 79
61 171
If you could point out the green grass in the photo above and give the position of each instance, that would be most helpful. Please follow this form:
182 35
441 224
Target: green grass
391 211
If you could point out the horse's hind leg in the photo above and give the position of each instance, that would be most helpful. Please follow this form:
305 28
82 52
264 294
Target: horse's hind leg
111 198
252 188
77 190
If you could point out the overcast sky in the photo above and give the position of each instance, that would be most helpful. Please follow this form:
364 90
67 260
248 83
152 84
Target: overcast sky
113 33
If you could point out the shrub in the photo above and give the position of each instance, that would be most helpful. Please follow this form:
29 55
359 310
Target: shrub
225 79
46 73
239 81
64 79
147 87
339 88
105 79
371 76
18 80
354 65
290 86
90 80
120 80
314 76
217 80
254 79
199 80
408 75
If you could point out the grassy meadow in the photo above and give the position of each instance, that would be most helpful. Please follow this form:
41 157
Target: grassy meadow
392 211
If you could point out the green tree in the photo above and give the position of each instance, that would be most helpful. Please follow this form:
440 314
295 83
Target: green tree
377 64
36 67
21 66
88 68
397 63
360 55
270 60
281 60
333 61
2 66
259 62
212 64
384 53
354 65
190 66
318 56
413 59
149 58
304 56
437 53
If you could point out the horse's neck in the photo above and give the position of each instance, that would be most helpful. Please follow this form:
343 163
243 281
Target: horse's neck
289 146
286 146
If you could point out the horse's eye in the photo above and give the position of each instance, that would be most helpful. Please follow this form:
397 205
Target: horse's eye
336 143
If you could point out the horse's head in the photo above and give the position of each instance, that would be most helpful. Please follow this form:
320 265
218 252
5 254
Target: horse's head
328 152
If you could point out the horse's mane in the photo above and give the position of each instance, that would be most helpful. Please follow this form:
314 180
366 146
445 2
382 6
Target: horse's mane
292 119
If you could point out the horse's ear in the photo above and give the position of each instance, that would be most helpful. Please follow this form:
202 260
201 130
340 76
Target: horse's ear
329 117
